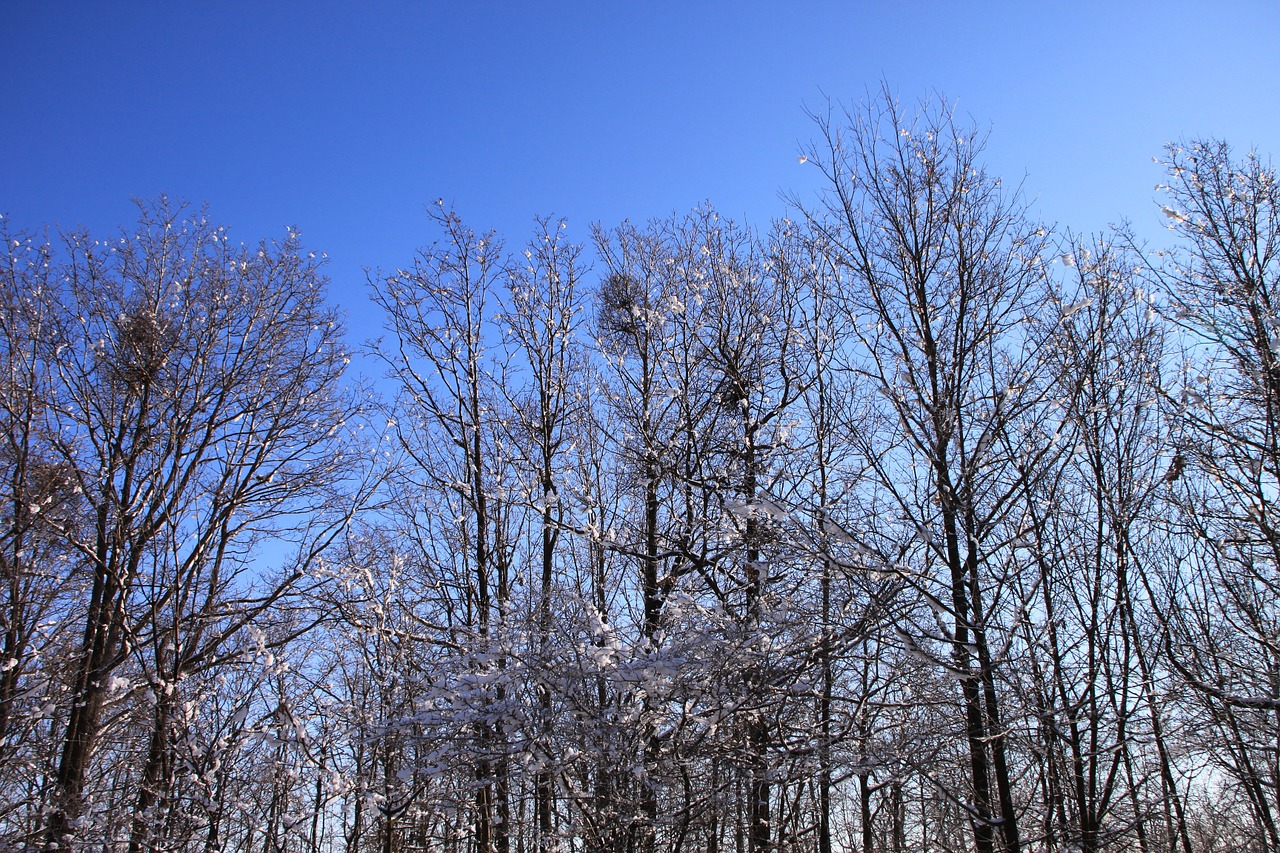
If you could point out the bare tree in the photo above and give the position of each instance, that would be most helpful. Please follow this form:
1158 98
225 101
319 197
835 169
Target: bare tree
651 395
543 314
194 405
758 370
448 422
946 289
1219 608
39 586
1089 532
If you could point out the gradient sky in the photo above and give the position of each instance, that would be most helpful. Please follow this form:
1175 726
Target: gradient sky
347 119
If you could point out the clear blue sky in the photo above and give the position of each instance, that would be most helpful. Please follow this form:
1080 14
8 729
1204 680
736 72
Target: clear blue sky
347 119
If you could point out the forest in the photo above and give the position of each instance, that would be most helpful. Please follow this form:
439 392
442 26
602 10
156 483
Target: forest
905 523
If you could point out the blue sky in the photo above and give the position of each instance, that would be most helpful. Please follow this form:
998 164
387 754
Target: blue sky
346 120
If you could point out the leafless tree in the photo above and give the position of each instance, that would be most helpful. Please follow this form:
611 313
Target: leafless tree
448 420
1090 534
1219 607
39 586
946 291
193 405
545 395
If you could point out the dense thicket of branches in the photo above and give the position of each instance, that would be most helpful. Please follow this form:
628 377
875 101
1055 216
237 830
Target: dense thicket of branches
904 524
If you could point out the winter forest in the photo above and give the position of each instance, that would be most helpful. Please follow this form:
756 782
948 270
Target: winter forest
904 523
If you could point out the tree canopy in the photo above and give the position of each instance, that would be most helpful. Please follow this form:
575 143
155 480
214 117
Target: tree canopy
907 522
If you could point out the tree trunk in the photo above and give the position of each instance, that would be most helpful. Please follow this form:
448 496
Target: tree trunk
155 774
95 664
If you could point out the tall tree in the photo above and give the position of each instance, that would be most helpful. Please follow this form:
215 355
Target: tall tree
542 315
447 418
757 369
195 405
1088 532
1219 609
946 290
651 390
39 587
